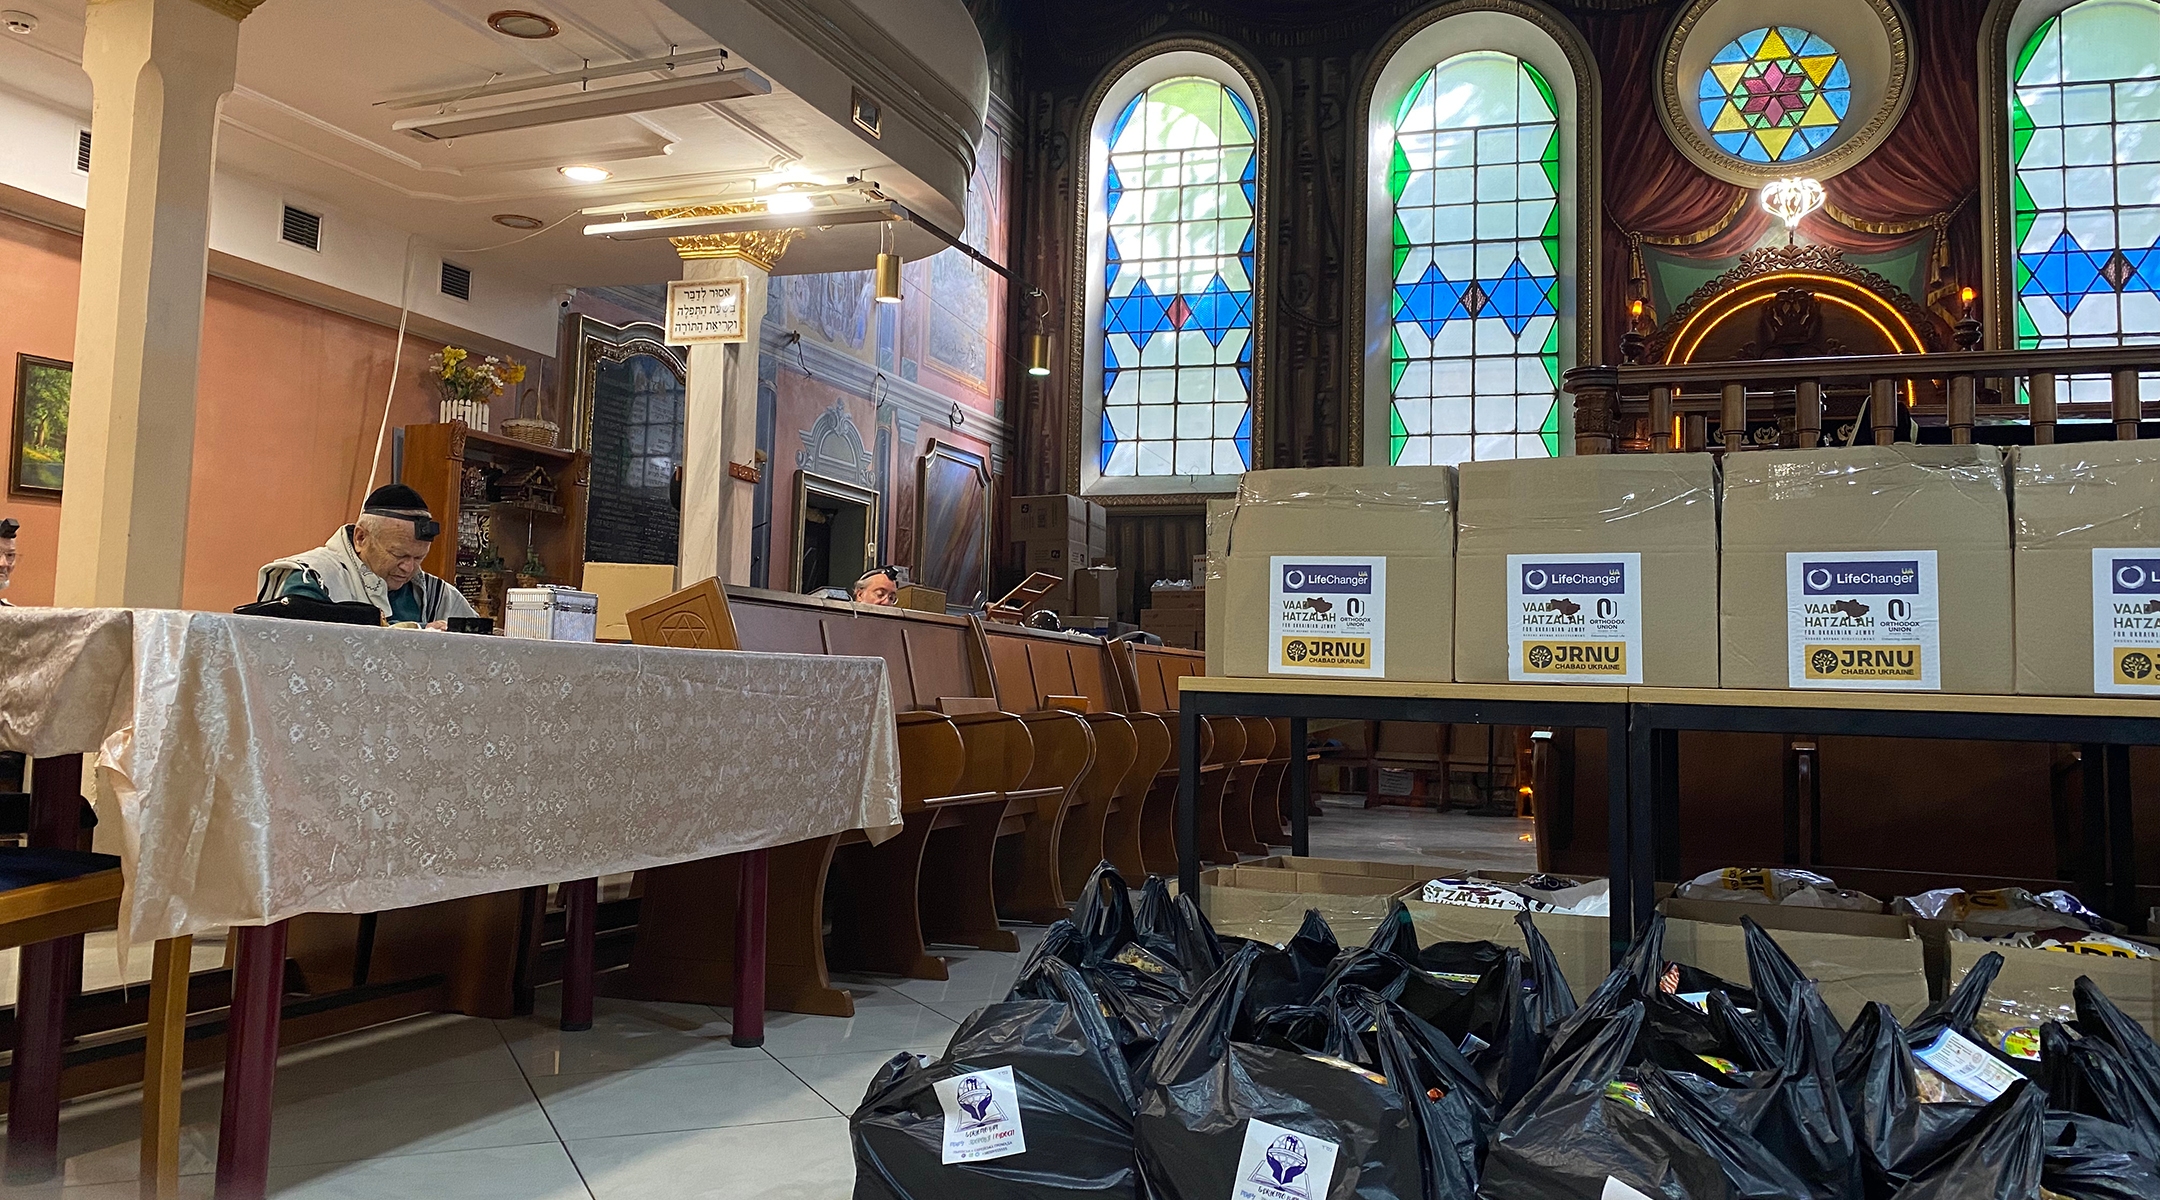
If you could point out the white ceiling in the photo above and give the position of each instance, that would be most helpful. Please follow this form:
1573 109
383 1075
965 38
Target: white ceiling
305 114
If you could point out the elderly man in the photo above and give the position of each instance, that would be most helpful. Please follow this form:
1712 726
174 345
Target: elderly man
375 560
9 526
878 585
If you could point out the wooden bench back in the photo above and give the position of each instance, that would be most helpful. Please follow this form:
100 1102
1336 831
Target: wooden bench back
928 656
1151 674
1029 666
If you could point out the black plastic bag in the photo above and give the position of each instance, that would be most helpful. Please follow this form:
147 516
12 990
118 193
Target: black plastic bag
1034 1095
1222 1117
1998 1159
2137 1102
2087 1158
1805 1124
1453 1110
1878 1078
1555 1000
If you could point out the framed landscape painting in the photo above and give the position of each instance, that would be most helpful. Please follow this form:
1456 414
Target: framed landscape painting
37 453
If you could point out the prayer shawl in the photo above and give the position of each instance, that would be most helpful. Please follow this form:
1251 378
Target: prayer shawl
335 567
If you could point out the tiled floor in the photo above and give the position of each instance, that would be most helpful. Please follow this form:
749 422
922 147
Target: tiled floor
652 1103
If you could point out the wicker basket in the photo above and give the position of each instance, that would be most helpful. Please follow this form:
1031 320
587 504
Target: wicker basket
533 430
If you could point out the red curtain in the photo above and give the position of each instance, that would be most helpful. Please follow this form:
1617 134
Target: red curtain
1930 163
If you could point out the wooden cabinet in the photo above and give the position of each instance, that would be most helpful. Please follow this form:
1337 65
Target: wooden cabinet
505 506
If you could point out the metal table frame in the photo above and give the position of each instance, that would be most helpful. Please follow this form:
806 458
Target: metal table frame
1301 699
2106 728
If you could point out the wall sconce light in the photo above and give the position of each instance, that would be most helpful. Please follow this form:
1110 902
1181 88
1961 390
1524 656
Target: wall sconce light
1038 360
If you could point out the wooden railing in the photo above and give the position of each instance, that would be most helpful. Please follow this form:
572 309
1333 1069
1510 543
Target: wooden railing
1666 407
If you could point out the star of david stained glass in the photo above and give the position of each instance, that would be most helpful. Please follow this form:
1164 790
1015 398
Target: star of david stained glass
1774 95
2085 200
1179 193
1475 339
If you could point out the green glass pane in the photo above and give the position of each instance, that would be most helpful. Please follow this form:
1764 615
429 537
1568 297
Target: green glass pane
2024 211
1401 358
1551 349
1397 436
1551 432
1402 109
1398 173
2021 128
1544 89
2028 334
1402 247
2032 47
1550 159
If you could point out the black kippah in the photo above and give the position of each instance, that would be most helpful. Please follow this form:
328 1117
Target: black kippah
8 526
394 497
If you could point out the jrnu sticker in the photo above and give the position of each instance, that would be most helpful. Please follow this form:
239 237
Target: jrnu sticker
2126 621
1575 619
1283 1164
1863 619
1327 615
982 1116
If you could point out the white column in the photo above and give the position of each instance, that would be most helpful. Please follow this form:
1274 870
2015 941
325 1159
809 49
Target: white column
720 427
158 69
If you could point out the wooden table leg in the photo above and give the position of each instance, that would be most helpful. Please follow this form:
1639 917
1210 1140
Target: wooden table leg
42 983
251 1051
749 1011
581 911
33 1138
164 1045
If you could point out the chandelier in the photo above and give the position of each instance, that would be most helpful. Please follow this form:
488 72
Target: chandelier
1791 199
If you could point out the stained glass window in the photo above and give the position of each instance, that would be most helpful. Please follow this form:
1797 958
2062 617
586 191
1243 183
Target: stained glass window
1774 95
1475 179
1179 194
2085 205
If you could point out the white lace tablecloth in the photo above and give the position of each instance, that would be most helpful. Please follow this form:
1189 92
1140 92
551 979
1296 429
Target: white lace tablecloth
257 769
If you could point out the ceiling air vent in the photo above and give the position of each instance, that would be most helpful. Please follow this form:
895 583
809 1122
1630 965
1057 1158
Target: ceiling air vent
301 228
456 281
82 151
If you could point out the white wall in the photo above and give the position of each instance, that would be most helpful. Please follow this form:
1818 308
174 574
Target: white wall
359 257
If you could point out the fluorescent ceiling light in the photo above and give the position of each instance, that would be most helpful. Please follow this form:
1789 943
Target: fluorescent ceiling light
788 202
582 75
585 106
586 174
746 222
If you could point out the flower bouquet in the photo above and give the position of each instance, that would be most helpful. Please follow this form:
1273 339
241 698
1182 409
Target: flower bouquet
468 384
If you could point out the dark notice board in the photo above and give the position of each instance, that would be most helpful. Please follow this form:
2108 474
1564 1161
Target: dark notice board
637 444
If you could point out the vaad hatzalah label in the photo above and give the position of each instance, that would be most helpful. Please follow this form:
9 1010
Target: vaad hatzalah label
1575 618
1327 615
1863 619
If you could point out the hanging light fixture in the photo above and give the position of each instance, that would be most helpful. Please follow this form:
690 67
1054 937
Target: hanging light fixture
1791 199
1038 360
888 269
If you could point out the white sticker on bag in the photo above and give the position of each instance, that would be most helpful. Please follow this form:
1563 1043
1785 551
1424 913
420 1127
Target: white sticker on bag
1958 1059
1283 1164
1327 615
1574 619
1616 1190
1863 619
2126 622
982 1116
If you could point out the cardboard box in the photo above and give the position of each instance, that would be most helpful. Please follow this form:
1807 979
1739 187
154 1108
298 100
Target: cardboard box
1177 599
1217 559
2085 527
1094 590
1853 957
1060 519
1642 531
1057 558
1339 571
1267 900
2040 982
1581 945
1862 545
622 587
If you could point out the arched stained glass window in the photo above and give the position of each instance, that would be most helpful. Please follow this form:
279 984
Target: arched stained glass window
1475 183
1178 196
2085 202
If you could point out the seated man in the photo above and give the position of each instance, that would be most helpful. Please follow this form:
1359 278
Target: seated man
878 585
375 560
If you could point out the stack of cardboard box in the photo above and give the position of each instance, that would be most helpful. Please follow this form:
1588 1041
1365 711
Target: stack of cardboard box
1177 615
1060 535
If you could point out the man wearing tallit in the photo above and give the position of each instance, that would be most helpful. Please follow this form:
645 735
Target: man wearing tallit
375 560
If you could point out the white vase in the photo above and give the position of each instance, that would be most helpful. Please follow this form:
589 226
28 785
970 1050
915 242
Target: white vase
473 412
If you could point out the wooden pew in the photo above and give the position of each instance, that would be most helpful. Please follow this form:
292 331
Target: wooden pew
1271 807
1033 669
1242 797
1149 675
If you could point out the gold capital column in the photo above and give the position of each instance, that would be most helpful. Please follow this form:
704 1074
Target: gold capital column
720 404
158 69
